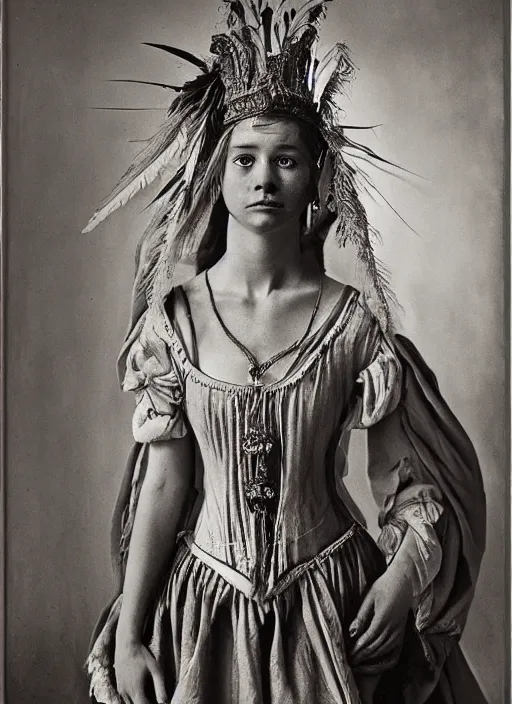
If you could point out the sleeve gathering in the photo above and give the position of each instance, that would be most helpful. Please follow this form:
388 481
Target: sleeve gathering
378 387
153 374
426 481
406 499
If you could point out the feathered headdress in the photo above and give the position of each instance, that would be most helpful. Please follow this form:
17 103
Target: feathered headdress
266 62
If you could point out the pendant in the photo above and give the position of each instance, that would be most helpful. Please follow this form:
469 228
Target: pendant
257 441
260 492
260 496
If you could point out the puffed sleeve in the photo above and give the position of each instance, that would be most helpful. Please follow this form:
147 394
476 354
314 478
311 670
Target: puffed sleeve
378 386
404 500
154 375
425 477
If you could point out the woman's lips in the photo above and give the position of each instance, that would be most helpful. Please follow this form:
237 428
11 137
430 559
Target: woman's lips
273 204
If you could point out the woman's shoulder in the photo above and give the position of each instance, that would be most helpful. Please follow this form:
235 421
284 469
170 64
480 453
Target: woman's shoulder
357 309
334 289
190 295
177 302
194 285
365 304
337 294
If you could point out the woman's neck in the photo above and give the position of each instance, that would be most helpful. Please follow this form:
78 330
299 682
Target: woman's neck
256 264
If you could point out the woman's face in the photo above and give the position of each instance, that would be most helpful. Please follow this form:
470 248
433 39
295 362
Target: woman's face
268 174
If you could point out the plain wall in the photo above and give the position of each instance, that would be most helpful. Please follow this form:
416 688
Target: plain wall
430 72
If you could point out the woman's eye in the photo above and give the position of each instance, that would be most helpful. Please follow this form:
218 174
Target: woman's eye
286 162
244 160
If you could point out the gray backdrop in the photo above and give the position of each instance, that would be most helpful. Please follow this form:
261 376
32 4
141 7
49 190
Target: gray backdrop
430 71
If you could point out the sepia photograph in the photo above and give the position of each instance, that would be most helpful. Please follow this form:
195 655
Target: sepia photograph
256 373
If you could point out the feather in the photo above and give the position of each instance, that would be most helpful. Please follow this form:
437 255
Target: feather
247 13
362 127
373 155
325 70
352 226
236 17
282 23
277 35
182 54
373 189
107 107
311 69
234 53
148 253
375 164
146 83
172 205
378 280
192 161
376 274
256 12
266 28
154 240
309 14
183 241
259 46
284 15
237 56
161 150
170 184
197 104
342 73
165 217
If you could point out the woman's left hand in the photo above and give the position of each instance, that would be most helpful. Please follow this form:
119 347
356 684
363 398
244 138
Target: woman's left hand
379 626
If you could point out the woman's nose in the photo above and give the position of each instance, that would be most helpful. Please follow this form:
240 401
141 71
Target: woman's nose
265 179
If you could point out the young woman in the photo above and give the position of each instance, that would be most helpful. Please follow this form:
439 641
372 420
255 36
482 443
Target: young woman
248 376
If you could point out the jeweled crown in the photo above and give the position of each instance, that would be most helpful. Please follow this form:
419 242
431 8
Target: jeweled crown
267 60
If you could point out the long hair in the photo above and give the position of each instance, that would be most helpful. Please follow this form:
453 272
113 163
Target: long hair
199 237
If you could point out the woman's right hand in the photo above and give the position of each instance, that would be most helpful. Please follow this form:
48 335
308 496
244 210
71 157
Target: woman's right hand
134 666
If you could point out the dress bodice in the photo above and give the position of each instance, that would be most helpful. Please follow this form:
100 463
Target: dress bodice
306 413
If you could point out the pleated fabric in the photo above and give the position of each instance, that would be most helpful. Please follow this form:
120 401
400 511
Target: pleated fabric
216 645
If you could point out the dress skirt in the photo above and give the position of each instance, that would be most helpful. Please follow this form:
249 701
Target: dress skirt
217 646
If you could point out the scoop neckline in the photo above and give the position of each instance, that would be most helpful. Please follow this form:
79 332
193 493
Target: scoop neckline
341 321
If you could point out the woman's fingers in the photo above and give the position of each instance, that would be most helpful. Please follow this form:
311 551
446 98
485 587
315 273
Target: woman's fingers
363 618
385 647
158 682
379 640
391 640
374 631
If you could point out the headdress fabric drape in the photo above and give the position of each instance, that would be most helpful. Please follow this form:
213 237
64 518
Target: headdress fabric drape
267 61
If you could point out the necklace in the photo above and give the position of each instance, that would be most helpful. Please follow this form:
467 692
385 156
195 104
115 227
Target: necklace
257 370
258 441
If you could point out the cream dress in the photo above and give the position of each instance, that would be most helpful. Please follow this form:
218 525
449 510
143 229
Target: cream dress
255 606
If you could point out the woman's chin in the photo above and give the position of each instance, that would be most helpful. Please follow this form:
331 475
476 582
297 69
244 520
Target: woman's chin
266 221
